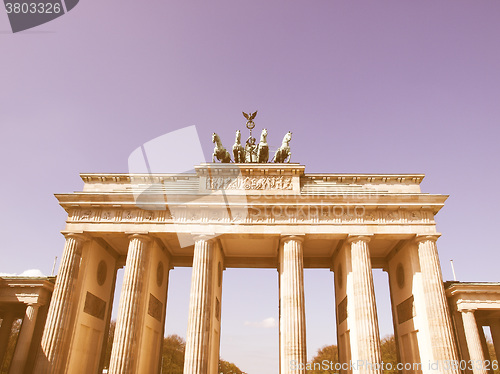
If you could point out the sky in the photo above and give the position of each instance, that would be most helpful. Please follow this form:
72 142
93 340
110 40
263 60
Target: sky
366 87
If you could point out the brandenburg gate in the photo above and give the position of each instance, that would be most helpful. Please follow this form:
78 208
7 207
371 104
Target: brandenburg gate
248 214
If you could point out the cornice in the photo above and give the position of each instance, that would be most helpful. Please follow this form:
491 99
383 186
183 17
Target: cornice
386 199
368 178
472 288
269 169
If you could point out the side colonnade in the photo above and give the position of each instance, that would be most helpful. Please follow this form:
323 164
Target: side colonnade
78 319
474 306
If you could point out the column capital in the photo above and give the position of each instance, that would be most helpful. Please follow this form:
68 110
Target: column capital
424 238
467 310
210 237
78 236
298 238
357 238
141 236
34 305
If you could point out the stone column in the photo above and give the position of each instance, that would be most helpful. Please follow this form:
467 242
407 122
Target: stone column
24 340
473 341
55 334
5 330
438 315
365 309
495 335
124 354
198 331
292 306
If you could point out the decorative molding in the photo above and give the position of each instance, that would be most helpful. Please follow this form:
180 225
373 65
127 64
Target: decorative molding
295 169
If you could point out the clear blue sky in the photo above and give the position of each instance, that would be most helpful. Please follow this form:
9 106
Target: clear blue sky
366 86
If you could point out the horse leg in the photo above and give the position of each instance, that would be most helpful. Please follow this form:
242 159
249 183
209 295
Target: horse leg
282 156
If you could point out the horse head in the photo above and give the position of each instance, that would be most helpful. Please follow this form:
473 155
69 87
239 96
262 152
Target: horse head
263 136
215 137
287 137
238 137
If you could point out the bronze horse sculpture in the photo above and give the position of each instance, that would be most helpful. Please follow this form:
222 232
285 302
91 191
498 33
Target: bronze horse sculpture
219 151
284 152
238 150
263 148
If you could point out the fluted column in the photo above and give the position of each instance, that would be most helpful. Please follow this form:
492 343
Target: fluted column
5 330
292 306
24 340
198 332
365 309
473 342
55 334
438 315
124 353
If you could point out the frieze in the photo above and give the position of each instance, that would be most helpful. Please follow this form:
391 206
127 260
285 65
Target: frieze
249 183
256 214
107 215
129 215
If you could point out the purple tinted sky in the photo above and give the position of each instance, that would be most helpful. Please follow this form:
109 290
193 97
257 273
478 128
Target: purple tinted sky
365 86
